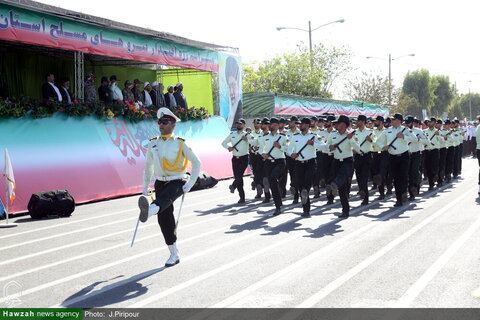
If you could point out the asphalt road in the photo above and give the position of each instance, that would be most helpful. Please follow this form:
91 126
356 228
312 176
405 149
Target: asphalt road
425 254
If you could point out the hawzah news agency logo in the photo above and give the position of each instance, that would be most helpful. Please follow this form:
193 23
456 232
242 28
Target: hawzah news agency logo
12 293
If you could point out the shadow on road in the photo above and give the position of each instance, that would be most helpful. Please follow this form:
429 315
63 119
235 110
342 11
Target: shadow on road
113 293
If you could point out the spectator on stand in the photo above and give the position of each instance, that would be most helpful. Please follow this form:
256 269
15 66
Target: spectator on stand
170 98
180 97
115 91
147 99
127 91
67 96
103 93
137 93
157 94
89 90
50 90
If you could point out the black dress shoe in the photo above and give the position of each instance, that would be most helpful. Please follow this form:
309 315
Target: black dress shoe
241 201
381 197
364 203
344 215
330 201
277 211
411 198
389 192
398 204
306 215
295 201
258 196
232 188
266 200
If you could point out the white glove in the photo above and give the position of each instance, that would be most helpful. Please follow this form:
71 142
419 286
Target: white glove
186 188
145 192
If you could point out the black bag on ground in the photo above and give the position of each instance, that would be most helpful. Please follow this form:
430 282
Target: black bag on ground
204 181
53 202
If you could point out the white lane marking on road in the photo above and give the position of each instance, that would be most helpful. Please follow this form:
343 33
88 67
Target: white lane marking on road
227 266
332 286
411 294
57 225
24 272
118 262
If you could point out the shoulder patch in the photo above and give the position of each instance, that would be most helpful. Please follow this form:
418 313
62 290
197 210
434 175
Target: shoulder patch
282 134
296 134
181 138
154 138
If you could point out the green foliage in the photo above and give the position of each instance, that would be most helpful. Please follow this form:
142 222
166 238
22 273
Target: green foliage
461 106
372 89
300 73
419 85
444 93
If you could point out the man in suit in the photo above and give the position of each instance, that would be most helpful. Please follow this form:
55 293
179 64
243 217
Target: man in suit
67 96
180 98
50 90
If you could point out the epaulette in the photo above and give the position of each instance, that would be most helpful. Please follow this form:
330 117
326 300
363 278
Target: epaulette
266 134
154 138
282 134
183 139
296 134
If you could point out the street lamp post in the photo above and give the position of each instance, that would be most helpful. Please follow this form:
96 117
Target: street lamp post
390 59
470 99
310 33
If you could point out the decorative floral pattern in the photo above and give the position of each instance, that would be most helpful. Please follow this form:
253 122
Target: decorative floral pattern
26 106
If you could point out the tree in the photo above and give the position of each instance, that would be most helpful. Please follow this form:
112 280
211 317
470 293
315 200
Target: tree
298 73
461 106
370 88
419 85
444 93
408 105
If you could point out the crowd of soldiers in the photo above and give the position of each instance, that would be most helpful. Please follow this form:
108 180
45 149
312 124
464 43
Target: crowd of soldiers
395 154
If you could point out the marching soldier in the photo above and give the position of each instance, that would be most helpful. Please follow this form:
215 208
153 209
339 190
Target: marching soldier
416 149
261 144
364 137
273 152
342 145
395 140
302 149
283 180
457 166
256 159
238 143
451 138
442 153
327 158
477 137
319 179
432 153
380 159
166 159
292 130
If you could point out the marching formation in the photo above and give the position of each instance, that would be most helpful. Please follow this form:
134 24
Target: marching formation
396 154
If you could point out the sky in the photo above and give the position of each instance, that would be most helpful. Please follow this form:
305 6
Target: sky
441 34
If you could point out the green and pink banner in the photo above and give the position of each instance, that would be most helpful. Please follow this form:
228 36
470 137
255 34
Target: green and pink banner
17 24
291 106
96 159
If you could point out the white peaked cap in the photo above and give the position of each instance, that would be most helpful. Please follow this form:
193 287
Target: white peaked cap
166 112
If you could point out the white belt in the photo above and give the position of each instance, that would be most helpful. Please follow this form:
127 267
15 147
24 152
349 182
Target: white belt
170 178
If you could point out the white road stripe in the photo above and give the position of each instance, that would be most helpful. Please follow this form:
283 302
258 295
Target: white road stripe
119 262
291 268
411 294
144 302
332 286
58 225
